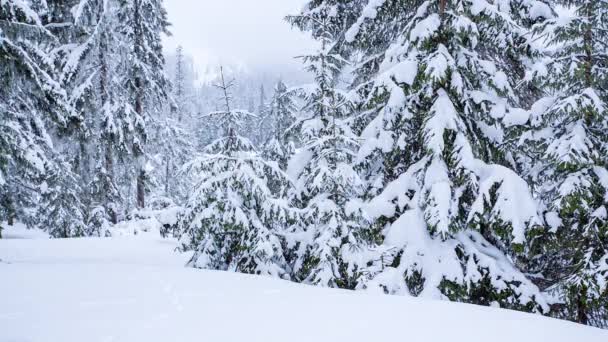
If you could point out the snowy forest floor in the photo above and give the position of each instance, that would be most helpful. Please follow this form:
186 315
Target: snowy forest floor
136 289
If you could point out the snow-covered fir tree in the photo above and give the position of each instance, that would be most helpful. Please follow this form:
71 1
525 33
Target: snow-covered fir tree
568 133
179 83
142 22
264 120
331 244
435 99
32 103
62 212
281 145
170 143
88 60
100 81
189 103
232 220
171 139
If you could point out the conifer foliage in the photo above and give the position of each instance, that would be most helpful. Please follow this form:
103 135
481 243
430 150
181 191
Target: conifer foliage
232 220
31 103
331 237
435 101
283 115
143 22
569 130
89 67
73 110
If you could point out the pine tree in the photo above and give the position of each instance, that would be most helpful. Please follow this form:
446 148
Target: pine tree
170 143
262 105
89 61
433 90
568 132
263 129
232 220
179 84
331 243
251 105
62 211
282 114
31 101
142 23
170 140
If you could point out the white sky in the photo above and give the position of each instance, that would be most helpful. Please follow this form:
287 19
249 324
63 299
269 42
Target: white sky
248 32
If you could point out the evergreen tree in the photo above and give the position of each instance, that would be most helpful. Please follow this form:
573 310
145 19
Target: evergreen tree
31 101
179 84
332 245
170 143
170 140
263 126
142 23
281 145
62 211
568 132
262 106
251 105
88 61
433 102
232 220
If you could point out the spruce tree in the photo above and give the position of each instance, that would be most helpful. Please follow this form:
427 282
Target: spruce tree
170 144
89 61
232 220
62 211
263 126
331 243
282 116
180 83
31 101
171 139
568 132
433 102
109 132
142 22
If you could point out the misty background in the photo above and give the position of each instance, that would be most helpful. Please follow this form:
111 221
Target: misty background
253 39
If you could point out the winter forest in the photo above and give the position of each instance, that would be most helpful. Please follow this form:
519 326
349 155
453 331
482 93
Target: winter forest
449 150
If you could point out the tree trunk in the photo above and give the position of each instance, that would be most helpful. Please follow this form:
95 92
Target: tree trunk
141 189
10 218
138 150
442 5
113 215
84 164
109 151
109 165
141 177
581 312
167 175
588 43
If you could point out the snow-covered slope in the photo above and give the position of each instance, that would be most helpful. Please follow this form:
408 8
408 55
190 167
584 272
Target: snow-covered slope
137 290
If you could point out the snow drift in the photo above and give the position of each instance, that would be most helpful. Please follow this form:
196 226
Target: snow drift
136 289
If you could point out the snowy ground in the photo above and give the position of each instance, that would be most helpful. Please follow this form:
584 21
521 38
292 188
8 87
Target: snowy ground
137 290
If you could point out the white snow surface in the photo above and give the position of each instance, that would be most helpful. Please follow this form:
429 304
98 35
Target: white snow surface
135 289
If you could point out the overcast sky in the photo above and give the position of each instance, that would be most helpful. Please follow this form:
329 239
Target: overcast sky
251 32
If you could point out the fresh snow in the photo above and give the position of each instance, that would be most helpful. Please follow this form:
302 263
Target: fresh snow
19 231
136 289
369 12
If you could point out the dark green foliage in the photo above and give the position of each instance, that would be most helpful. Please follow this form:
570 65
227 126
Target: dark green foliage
566 141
